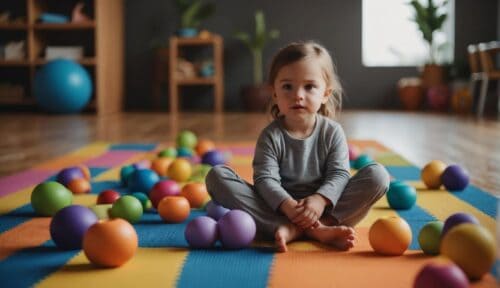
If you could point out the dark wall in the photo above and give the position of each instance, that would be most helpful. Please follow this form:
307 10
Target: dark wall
334 23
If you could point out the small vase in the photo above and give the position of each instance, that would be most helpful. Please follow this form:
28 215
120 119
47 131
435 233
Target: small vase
411 93
433 75
187 32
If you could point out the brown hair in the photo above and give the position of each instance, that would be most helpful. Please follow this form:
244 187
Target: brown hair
296 51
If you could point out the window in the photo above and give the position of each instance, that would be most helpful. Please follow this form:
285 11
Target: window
392 38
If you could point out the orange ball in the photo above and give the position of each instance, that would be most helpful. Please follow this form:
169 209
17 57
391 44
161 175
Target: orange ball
203 146
180 170
195 193
390 236
431 174
110 243
79 186
174 209
85 170
160 165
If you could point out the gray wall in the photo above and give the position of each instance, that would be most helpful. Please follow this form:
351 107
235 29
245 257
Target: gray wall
334 23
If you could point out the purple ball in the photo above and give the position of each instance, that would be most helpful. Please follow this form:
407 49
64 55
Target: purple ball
68 226
215 210
213 158
437 275
456 219
236 229
68 174
455 178
201 232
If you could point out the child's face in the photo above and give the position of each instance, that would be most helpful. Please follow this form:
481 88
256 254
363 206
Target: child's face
300 88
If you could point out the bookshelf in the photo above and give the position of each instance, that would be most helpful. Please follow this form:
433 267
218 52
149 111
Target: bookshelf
101 38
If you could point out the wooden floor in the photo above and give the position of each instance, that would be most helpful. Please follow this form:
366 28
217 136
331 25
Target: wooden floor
27 139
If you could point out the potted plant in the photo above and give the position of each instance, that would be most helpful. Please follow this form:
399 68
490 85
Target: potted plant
256 96
430 19
192 12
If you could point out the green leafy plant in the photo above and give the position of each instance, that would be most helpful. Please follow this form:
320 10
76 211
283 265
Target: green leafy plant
256 43
429 19
193 12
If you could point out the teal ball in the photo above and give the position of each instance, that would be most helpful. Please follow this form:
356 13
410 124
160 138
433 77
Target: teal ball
401 197
125 173
362 161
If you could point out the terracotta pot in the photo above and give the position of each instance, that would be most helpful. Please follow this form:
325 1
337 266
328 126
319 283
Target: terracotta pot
433 75
411 93
256 98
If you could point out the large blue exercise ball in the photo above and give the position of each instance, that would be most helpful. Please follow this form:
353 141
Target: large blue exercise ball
62 86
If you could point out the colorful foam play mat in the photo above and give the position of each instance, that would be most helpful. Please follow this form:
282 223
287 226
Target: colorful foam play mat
29 255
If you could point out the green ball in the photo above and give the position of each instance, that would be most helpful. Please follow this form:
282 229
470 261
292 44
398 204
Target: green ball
200 172
170 152
429 237
127 207
186 139
49 197
101 210
362 161
146 203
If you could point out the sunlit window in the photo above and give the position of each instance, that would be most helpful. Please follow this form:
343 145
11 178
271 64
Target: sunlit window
392 38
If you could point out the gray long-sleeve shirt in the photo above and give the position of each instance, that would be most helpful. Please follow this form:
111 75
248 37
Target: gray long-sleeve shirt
288 167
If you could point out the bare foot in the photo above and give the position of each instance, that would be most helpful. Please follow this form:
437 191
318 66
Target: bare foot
285 234
340 237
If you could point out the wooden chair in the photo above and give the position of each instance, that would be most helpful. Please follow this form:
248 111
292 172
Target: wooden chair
489 71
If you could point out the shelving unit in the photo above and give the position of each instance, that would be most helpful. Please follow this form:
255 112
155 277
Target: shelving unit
101 38
217 80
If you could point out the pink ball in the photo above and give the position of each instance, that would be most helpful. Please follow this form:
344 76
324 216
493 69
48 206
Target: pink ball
236 229
162 189
353 152
441 275
201 232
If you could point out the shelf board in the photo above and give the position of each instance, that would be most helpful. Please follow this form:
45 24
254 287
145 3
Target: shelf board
13 26
64 26
4 63
85 61
196 81
195 40
25 101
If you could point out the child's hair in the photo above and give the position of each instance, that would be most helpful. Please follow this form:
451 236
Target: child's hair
296 51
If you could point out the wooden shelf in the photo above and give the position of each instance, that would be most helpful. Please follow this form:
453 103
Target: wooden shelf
84 61
25 101
196 81
196 40
13 26
64 26
6 63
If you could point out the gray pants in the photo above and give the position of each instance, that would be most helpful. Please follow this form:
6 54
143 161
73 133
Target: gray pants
361 192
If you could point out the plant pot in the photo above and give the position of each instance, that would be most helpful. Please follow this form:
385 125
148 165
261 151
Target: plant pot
433 75
411 93
187 32
256 97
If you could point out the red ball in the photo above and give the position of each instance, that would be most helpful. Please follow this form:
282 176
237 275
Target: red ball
163 189
108 197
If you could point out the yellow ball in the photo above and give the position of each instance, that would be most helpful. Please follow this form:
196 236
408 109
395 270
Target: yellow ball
390 236
179 170
431 174
472 247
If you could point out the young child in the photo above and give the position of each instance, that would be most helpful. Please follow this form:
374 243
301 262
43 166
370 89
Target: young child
302 185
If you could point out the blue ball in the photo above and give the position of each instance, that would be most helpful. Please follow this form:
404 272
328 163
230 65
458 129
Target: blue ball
62 86
184 152
213 158
401 196
142 180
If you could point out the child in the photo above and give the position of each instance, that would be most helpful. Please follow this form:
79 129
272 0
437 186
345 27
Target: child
302 185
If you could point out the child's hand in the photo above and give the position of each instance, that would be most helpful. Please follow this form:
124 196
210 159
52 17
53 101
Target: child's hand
289 208
309 211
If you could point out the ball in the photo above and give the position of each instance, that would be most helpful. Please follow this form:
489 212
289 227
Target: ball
213 158
431 174
174 209
195 193
163 189
184 152
127 207
429 237
362 161
143 198
142 180
215 210
186 139
101 210
401 197
160 165
68 226
203 146
62 86
180 170
201 232
108 196
353 152
441 274
49 197
456 219
110 243
125 173
169 152
69 174
390 236
200 172
86 171
236 229
79 186
472 247
143 164
455 178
